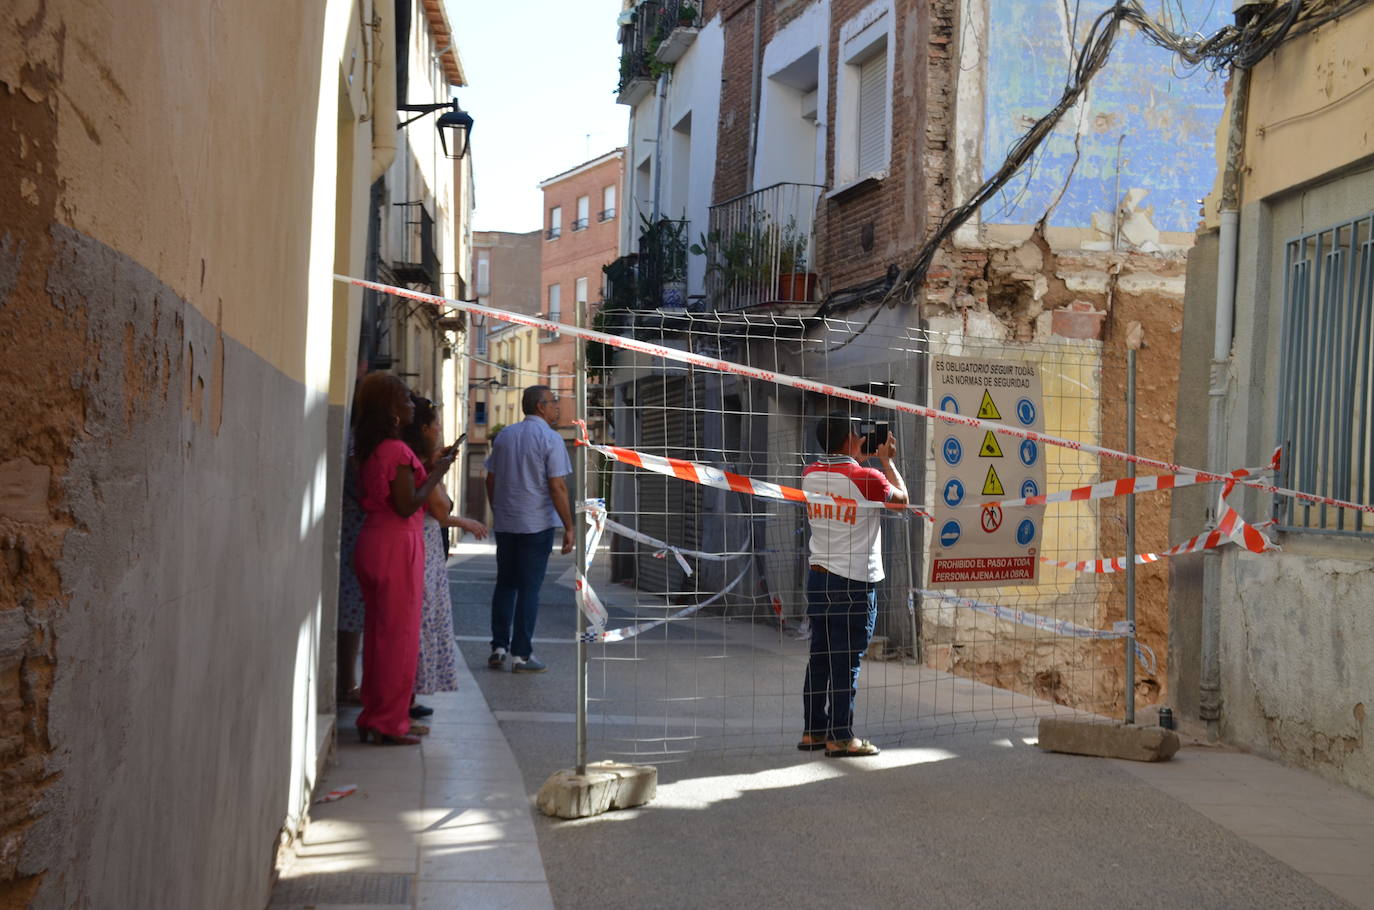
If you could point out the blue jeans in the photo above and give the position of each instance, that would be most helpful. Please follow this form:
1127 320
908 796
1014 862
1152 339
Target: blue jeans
843 613
521 560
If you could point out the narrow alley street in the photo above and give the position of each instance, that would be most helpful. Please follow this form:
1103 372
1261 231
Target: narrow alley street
451 824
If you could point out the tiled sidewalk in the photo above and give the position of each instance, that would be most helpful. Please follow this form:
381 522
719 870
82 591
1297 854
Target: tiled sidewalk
1323 830
442 826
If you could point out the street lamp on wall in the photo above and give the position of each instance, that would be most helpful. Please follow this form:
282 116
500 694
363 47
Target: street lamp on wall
457 122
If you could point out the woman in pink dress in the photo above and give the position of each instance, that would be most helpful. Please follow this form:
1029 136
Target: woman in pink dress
390 556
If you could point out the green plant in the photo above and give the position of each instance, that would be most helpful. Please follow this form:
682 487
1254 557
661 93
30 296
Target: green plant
791 249
668 239
686 14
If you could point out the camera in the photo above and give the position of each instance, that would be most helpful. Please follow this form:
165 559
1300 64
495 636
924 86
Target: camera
874 434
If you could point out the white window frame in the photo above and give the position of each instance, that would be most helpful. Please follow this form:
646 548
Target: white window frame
555 301
608 202
580 291
555 222
584 213
483 274
866 35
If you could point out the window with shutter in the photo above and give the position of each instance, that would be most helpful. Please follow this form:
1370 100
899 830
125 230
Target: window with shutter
872 114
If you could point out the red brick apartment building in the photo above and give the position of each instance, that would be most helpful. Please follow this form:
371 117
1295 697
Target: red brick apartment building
581 234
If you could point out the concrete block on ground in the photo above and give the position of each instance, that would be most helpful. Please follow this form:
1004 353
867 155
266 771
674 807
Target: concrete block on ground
606 785
1106 740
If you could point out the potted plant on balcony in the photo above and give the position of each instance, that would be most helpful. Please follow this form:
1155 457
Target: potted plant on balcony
795 283
664 242
687 15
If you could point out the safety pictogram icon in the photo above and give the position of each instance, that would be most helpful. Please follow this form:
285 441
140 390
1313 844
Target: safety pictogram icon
988 409
954 492
992 484
1025 411
953 451
1029 488
990 448
1029 452
949 533
1025 532
949 403
992 518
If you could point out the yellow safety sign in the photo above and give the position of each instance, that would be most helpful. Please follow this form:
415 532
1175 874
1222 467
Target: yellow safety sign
992 486
990 448
987 410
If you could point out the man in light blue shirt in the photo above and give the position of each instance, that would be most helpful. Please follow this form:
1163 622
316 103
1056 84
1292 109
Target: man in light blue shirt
529 498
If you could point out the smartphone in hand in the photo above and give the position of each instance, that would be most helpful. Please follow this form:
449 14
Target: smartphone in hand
453 449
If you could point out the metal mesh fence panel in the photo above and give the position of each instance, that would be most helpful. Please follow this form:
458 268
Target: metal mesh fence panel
716 650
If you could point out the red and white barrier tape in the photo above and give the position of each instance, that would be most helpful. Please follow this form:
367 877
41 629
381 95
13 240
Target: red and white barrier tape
1063 627
1230 529
1126 486
710 476
832 391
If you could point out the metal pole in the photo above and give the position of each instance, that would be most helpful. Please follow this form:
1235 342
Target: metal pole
579 538
1130 539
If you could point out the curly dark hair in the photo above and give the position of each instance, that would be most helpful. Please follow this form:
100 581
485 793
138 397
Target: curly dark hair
425 414
381 399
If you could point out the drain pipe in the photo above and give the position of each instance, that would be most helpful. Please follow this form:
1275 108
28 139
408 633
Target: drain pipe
754 91
383 96
1209 700
657 208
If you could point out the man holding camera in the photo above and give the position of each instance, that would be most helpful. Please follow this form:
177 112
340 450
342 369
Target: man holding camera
846 566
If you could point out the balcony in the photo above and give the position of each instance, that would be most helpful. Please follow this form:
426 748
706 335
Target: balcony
421 263
636 76
759 247
579 224
605 215
662 264
547 335
653 36
553 233
679 22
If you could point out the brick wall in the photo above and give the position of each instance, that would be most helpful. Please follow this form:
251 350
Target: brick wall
576 254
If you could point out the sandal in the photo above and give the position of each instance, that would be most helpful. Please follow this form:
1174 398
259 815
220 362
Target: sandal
851 750
419 730
810 743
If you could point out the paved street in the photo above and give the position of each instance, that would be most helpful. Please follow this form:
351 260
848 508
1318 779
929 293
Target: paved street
957 820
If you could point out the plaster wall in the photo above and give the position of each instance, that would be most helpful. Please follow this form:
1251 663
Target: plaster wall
171 185
1297 671
1141 125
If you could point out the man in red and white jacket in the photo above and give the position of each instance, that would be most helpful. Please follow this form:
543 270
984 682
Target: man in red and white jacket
841 588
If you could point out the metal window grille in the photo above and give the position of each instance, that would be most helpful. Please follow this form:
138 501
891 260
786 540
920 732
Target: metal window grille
1326 374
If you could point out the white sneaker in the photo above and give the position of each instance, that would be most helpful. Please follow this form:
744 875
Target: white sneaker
497 659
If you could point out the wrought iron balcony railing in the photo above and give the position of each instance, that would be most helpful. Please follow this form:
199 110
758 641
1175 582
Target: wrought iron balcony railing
759 248
579 224
662 264
421 262
553 233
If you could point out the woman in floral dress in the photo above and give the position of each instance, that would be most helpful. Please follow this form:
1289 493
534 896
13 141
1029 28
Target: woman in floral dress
437 670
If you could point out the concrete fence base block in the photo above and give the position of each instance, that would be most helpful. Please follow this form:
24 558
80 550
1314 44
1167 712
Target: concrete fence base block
1104 740
606 785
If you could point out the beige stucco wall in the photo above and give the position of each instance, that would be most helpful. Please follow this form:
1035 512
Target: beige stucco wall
1308 109
180 181
1295 664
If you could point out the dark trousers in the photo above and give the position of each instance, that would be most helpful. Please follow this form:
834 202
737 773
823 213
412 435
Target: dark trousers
521 560
843 613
